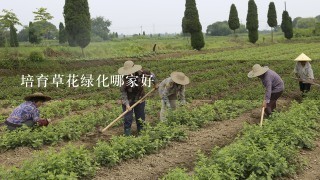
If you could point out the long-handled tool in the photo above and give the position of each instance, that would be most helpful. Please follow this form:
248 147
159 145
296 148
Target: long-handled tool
125 112
307 82
262 115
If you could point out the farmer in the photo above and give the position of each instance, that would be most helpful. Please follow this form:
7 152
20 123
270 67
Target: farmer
170 89
28 113
132 91
273 84
303 71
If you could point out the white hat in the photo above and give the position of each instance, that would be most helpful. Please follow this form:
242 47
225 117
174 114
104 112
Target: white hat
179 78
257 70
129 68
302 57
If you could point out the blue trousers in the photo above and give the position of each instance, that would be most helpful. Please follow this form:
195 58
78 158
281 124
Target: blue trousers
138 113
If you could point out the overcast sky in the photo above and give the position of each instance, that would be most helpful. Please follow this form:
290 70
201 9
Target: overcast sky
160 16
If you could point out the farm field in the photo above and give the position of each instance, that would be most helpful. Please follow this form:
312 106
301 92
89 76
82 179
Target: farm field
223 110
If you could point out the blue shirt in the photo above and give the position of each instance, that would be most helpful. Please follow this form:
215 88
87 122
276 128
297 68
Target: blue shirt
24 112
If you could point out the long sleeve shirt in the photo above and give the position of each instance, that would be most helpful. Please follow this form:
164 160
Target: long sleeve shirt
272 83
132 90
24 112
167 88
304 72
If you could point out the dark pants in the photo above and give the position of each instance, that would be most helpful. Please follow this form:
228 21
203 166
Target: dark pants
138 113
304 87
273 103
12 127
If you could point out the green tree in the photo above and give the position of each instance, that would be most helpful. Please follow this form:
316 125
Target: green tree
191 24
41 15
77 22
13 36
295 21
62 34
306 23
252 22
100 27
2 35
286 25
45 29
272 18
190 21
197 40
23 35
7 20
33 37
318 18
233 21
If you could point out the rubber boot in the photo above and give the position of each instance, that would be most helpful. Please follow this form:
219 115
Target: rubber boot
127 132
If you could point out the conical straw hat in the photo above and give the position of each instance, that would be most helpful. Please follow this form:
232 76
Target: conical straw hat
302 57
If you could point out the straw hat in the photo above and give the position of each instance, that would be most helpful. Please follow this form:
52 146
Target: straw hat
302 57
179 78
37 95
257 70
129 68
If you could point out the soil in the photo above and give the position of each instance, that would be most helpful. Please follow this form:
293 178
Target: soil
183 154
179 154
311 170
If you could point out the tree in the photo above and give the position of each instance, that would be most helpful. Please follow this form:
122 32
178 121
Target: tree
197 40
190 21
286 25
100 27
33 37
2 35
252 22
77 21
272 18
191 24
233 22
318 18
41 15
305 23
13 36
295 21
62 34
222 29
45 29
23 35
7 21
9 18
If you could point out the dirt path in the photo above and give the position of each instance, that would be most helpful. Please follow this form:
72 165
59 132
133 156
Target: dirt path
181 154
311 171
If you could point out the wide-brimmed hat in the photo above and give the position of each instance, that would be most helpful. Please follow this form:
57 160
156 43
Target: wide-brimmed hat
303 57
129 68
180 78
257 70
37 95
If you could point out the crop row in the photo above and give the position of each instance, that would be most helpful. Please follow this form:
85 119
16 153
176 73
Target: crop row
55 165
262 153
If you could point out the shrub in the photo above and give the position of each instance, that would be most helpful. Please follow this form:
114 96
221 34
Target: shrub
36 56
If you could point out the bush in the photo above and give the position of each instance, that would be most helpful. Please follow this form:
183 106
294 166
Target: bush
36 56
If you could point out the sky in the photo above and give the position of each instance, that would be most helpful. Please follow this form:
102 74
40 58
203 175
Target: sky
160 16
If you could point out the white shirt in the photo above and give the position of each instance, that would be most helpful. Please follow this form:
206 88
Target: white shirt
305 72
